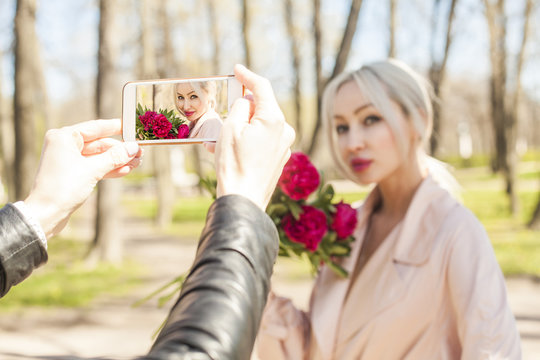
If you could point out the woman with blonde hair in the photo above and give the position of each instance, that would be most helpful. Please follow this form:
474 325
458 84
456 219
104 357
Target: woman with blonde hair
196 100
423 280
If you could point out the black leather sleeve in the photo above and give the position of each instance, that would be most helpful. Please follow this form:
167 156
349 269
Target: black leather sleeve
21 251
218 313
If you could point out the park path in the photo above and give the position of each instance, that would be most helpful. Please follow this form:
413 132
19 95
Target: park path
112 328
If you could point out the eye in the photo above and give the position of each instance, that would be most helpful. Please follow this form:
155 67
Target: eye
342 129
193 97
372 119
180 97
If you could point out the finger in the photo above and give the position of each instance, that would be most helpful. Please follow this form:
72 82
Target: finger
97 129
124 170
210 147
259 86
98 146
116 157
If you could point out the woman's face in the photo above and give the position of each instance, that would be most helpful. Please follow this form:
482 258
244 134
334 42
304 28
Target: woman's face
365 140
189 103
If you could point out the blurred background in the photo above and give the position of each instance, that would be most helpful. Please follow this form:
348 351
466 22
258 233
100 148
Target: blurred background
63 62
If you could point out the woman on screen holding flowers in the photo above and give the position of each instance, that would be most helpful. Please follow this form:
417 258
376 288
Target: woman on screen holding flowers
423 279
197 102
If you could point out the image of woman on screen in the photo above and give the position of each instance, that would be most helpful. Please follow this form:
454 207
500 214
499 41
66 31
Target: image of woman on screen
197 102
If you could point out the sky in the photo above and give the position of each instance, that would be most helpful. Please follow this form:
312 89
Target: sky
68 34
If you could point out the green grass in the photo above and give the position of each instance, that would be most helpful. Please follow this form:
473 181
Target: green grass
67 282
517 248
189 214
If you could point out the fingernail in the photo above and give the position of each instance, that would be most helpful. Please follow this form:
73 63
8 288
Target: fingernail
132 148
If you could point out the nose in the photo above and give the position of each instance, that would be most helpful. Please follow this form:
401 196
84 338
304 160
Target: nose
355 140
185 104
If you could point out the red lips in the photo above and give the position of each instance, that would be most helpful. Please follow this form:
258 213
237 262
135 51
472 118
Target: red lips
189 113
360 164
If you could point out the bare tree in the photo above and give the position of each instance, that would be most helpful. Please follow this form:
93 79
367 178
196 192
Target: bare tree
245 33
534 223
503 98
317 34
24 101
151 68
7 146
214 33
341 58
438 67
165 68
295 53
393 21
107 244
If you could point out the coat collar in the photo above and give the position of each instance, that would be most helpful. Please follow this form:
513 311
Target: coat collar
427 211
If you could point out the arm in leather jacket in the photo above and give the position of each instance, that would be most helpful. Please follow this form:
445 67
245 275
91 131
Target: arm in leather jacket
21 251
218 312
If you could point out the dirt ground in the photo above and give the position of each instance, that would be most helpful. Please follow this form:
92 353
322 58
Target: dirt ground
112 328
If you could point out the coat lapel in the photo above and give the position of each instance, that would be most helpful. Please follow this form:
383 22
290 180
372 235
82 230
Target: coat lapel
329 294
384 285
381 283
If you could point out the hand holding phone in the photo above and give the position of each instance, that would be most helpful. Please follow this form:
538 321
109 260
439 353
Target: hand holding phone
177 111
254 144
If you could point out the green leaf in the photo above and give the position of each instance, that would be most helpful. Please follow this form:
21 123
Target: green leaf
339 249
210 185
277 210
295 209
337 269
177 280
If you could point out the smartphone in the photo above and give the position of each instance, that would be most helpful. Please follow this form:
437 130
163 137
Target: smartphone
177 111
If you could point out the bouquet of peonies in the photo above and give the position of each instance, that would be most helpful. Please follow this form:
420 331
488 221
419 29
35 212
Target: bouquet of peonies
308 222
151 125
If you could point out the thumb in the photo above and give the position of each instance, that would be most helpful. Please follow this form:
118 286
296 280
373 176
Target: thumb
240 111
115 157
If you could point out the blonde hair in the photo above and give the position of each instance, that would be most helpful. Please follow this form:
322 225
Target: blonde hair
382 83
206 90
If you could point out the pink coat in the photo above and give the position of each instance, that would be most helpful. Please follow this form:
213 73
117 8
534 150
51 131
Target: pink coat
432 290
207 127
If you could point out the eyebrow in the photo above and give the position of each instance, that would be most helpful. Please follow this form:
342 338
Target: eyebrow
362 108
337 116
191 92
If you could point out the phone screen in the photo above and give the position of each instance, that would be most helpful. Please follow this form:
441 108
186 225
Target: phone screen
177 111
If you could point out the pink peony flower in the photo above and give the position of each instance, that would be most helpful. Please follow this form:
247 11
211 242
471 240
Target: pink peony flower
299 178
161 126
344 220
183 131
309 229
147 120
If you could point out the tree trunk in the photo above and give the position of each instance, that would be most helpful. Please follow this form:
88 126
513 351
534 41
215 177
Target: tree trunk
341 60
513 115
162 171
504 107
24 102
392 21
245 33
151 68
295 53
214 32
7 147
107 245
534 223
438 70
